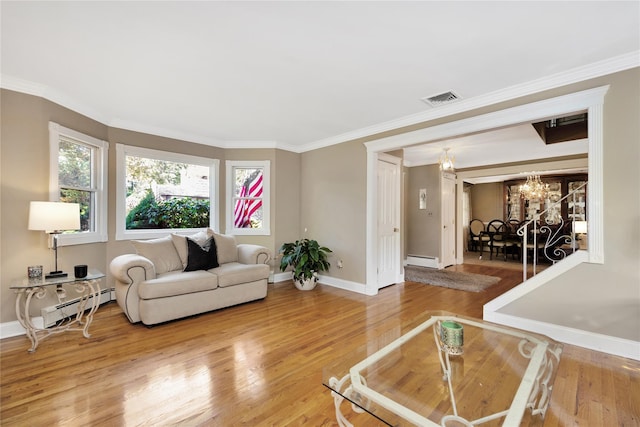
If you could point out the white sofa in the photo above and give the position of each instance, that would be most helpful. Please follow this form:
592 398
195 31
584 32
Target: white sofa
152 285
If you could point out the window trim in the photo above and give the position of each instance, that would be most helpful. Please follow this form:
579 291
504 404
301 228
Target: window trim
266 197
100 188
122 151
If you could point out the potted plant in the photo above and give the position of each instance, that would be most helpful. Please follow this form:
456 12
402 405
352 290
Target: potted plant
307 258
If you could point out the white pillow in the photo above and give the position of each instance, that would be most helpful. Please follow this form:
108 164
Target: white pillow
227 247
161 252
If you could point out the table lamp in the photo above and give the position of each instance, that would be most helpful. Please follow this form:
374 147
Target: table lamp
53 218
580 229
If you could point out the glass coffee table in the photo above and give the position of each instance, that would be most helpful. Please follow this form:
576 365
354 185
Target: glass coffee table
420 374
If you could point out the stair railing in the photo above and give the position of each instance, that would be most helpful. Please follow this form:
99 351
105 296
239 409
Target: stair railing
556 235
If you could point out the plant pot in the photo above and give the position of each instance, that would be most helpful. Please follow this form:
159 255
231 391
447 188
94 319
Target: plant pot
307 284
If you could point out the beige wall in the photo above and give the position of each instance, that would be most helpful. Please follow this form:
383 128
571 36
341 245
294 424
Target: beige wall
333 205
286 198
621 177
25 177
331 191
487 201
423 225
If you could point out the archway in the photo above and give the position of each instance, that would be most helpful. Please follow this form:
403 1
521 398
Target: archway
590 101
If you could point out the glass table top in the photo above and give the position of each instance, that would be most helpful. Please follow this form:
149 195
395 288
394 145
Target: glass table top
408 375
42 281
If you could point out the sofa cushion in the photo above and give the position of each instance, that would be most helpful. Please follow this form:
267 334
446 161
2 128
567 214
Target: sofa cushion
201 257
161 252
227 248
234 273
177 283
180 242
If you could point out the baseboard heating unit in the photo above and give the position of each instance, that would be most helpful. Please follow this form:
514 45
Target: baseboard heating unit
423 261
55 313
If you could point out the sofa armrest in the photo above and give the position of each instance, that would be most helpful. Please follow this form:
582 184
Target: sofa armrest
253 254
121 265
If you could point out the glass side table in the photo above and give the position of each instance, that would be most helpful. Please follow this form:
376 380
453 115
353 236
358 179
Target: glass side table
88 289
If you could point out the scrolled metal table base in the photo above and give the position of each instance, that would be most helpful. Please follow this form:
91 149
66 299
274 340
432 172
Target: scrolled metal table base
89 290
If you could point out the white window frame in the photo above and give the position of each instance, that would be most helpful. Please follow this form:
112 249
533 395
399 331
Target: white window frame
231 165
99 185
122 151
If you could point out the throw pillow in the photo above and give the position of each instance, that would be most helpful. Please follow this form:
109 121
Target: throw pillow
201 257
180 242
161 252
227 248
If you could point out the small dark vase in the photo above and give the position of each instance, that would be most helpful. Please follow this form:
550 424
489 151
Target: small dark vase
80 271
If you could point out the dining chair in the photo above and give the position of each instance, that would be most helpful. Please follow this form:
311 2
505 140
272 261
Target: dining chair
499 238
477 235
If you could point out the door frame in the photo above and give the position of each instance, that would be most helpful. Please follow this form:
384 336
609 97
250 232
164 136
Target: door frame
444 261
591 100
397 163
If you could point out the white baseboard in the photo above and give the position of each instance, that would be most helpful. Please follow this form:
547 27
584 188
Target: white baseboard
591 340
343 284
281 277
326 280
581 338
423 261
14 329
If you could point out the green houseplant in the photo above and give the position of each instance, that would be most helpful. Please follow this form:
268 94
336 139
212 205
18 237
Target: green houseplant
306 258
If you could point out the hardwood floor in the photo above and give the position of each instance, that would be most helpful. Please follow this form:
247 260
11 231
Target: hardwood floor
260 364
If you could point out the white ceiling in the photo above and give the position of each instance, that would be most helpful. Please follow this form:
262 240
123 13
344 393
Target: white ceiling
299 75
499 146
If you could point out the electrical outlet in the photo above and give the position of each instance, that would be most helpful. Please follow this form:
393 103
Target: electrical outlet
340 264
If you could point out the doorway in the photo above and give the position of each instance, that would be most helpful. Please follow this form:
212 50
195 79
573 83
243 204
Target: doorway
589 100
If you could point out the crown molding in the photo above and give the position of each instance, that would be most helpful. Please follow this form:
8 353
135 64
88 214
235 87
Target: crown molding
23 86
30 88
253 144
597 69
166 133
575 75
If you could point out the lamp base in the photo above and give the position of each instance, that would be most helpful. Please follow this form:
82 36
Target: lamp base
56 275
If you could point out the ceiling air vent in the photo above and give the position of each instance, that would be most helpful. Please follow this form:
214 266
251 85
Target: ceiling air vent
441 99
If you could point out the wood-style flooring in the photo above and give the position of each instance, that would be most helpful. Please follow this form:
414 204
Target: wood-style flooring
260 364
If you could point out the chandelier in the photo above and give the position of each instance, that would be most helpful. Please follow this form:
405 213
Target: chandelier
446 162
534 188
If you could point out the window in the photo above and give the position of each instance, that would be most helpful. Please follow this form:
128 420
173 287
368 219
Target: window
78 174
158 191
248 198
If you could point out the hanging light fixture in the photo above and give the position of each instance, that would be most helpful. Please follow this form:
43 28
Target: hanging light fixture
446 162
534 188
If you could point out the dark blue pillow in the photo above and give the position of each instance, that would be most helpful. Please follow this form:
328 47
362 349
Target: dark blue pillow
201 257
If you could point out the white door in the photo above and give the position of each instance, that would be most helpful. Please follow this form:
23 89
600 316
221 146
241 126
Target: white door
448 247
389 258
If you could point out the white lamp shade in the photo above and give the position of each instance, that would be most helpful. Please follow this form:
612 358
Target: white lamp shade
580 227
54 216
